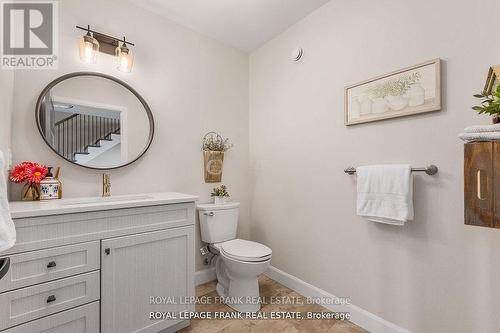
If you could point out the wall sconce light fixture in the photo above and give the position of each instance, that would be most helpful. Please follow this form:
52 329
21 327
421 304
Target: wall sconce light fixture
89 46
125 58
94 42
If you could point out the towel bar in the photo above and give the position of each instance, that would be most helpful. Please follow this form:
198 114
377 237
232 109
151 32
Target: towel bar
430 170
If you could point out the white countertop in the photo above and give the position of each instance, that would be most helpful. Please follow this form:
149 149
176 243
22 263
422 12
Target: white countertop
22 209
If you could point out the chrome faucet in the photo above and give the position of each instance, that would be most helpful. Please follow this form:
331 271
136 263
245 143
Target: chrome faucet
106 185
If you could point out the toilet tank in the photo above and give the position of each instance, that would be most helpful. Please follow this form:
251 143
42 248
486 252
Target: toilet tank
218 223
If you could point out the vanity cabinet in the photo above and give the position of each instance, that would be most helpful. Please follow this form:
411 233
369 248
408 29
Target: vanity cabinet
136 268
482 184
90 268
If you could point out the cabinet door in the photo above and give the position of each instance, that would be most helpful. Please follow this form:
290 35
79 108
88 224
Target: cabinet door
136 268
478 181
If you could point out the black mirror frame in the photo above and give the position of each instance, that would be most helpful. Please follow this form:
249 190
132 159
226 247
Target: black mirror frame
132 90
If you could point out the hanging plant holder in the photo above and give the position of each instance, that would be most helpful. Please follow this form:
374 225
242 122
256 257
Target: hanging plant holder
214 161
214 146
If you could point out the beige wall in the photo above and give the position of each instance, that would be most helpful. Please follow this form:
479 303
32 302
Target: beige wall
433 275
193 84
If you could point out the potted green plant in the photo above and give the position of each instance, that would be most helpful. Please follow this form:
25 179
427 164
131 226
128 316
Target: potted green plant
378 93
214 147
490 104
220 195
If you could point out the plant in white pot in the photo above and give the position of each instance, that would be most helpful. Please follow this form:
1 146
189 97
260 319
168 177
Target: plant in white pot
220 195
378 93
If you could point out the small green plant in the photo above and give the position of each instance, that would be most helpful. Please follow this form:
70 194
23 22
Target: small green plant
394 87
216 143
377 91
490 103
220 192
402 84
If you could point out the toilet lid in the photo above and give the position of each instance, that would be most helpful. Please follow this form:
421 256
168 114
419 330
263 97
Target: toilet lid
244 250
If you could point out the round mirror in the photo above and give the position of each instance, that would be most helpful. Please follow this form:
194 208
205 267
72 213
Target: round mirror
94 120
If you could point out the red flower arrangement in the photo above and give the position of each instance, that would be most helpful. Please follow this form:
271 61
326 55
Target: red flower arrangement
31 172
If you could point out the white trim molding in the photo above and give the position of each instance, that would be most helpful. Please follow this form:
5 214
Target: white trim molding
359 316
204 276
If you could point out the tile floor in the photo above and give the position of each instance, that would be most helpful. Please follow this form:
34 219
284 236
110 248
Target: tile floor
269 289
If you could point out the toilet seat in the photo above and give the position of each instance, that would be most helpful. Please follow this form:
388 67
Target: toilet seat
246 251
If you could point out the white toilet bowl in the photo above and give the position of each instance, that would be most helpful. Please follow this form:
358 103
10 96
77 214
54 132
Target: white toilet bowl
239 262
239 265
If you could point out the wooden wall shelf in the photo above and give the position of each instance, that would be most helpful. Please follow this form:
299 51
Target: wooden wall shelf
482 184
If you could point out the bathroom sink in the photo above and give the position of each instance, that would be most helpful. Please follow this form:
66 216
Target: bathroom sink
85 201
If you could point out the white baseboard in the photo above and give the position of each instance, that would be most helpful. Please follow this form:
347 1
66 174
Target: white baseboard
204 276
359 316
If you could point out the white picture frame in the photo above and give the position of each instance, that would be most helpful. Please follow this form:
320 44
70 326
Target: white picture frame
408 91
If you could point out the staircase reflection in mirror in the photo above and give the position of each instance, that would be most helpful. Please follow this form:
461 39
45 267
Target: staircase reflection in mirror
94 120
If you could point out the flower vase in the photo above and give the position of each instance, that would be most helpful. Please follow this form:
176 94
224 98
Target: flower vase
417 95
379 105
220 200
396 103
355 108
496 119
30 192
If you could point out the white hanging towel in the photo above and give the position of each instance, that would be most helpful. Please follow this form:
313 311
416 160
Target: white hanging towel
385 193
7 229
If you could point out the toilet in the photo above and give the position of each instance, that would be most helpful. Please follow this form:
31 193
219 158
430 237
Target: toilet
238 262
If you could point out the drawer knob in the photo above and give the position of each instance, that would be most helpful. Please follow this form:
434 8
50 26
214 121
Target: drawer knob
51 264
107 251
51 298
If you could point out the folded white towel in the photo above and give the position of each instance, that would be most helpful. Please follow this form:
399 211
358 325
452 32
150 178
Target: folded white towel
385 193
480 136
7 229
482 128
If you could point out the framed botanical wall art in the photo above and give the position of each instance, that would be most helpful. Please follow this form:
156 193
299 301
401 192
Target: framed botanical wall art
412 90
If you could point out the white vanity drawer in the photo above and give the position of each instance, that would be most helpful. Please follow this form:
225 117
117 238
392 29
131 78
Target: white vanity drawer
31 268
84 319
22 305
35 233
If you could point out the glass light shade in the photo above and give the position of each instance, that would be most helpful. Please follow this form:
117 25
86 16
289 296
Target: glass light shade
125 59
89 47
